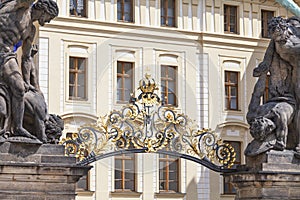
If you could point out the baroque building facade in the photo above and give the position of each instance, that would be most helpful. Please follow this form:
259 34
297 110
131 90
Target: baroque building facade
200 52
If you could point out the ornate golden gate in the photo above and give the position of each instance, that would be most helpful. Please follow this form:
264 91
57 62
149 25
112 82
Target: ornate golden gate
146 125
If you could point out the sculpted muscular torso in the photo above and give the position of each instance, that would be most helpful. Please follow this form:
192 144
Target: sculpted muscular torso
16 24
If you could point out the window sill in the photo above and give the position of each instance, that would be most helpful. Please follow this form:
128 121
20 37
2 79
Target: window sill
169 195
84 192
123 21
126 194
233 33
78 16
233 111
227 196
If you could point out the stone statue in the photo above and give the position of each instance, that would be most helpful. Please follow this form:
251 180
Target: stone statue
23 111
272 123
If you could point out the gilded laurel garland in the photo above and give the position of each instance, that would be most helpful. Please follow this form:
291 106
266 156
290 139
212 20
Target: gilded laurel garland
146 125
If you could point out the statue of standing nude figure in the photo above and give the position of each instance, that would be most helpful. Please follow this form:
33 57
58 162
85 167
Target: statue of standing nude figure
276 123
20 94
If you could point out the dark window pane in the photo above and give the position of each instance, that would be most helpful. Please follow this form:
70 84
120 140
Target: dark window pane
173 166
118 174
118 184
72 78
71 91
119 67
72 64
129 175
266 16
233 77
173 186
162 186
118 164
173 175
226 91
129 185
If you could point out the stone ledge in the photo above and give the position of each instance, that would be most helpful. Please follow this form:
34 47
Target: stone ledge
266 185
36 159
270 176
24 149
279 161
37 172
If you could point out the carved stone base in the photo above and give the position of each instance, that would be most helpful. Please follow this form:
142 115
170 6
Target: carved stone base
31 171
274 175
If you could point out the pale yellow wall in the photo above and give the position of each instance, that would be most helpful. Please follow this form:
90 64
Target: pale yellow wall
195 51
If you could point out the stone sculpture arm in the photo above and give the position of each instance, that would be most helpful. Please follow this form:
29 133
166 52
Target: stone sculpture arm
264 66
258 92
27 65
13 5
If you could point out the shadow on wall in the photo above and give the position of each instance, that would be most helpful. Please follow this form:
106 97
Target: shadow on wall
191 190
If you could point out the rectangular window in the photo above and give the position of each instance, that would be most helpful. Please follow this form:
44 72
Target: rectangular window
168 84
167 9
124 172
78 8
228 188
231 90
168 173
230 19
77 78
266 16
124 81
125 10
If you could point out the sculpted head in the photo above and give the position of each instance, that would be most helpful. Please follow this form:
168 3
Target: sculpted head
48 10
278 29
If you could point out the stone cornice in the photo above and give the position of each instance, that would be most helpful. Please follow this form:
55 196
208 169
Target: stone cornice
82 26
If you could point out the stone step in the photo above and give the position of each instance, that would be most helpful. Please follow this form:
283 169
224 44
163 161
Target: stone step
281 167
24 149
36 159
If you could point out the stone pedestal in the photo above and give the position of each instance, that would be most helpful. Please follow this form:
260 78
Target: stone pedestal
274 175
37 172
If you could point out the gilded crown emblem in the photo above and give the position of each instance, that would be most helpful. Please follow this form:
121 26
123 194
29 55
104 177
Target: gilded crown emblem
147 84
